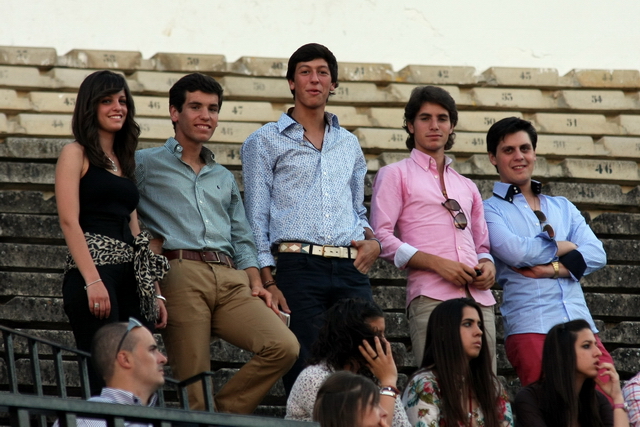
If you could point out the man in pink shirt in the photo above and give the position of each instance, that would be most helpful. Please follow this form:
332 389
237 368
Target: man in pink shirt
430 219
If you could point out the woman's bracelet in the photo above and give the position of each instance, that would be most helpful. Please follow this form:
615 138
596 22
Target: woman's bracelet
268 283
390 391
92 283
160 297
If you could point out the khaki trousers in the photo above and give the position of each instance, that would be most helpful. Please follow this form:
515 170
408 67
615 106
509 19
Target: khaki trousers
205 300
418 314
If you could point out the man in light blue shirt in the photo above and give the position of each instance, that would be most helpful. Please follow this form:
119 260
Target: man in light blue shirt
304 190
542 246
213 287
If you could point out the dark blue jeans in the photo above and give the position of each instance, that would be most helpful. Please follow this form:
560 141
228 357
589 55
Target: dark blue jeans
312 284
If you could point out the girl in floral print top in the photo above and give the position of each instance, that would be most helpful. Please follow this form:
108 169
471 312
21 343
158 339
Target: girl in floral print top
455 385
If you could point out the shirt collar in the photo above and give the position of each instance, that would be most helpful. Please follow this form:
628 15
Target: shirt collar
425 161
507 191
175 148
125 397
287 121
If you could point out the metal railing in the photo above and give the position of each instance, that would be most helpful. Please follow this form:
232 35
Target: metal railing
22 410
82 358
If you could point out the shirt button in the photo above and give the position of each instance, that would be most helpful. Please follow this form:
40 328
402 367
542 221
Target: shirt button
326 194
200 201
207 221
565 319
326 215
179 149
324 173
328 237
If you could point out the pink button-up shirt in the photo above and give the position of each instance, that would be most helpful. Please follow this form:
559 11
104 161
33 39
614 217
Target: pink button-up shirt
407 216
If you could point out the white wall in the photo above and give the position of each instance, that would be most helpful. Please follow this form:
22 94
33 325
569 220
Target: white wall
561 34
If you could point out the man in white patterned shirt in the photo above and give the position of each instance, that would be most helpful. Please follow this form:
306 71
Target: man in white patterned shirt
128 359
304 193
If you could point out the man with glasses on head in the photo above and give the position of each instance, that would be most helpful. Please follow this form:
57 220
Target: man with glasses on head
430 219
128 359
542 247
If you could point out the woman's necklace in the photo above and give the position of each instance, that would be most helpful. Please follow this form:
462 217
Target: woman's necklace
113 164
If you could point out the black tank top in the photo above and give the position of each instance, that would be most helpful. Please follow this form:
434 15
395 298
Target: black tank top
106 202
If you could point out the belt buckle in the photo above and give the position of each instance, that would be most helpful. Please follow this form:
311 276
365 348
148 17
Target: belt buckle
331 251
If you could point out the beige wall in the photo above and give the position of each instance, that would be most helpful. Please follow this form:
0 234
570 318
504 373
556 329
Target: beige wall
562 34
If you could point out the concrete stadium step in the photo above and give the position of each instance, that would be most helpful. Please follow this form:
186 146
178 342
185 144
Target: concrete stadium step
256 89
621 251
619 278
438 75
481 121
569 146
596 100
68 79
365 72
188 62
24 201
24 78
519 99
41 125
101 59
625 147
33 309
577 124
617 224
629 124
401 92
43 57
530 77
11 102
23 226
36 257
20 283
153 82
259 66
606 196
246 111
52 102
622 79
32 147
27 173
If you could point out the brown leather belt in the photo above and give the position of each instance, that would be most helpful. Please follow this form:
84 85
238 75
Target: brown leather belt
205 256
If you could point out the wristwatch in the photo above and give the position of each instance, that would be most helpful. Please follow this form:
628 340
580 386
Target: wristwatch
556 269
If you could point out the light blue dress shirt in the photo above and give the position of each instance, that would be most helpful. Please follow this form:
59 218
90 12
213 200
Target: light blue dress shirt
517 240
202 212
295 192
117 396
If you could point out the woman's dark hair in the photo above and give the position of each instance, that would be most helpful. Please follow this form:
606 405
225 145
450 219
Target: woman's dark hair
434 95
558 380
446 357
309 52
85 123
343 398
343 331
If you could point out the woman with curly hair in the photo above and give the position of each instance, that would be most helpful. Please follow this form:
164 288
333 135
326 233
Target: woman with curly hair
96 198
566 395
352 339
349 400
456 385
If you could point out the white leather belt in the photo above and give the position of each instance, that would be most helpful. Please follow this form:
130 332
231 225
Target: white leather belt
319 250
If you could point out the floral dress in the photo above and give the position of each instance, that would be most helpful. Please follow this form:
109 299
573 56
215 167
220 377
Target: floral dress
422 402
